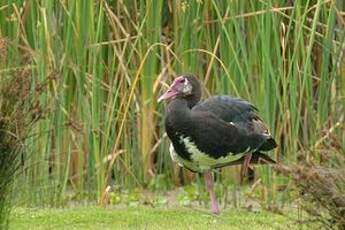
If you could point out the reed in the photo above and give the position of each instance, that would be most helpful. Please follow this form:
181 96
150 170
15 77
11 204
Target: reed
101 65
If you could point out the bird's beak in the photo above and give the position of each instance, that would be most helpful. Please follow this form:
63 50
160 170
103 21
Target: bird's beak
168 94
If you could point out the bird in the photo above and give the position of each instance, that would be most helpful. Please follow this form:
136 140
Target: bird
213 133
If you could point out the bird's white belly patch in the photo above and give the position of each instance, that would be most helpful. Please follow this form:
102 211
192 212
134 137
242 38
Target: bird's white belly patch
174 155
200 161
180 161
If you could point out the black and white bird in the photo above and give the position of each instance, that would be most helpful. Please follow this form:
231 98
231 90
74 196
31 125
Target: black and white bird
214 133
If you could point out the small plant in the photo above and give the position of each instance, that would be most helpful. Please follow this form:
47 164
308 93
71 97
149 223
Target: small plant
188 194
132 198
160 182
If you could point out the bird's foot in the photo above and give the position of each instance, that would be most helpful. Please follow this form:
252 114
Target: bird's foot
214 207
215 211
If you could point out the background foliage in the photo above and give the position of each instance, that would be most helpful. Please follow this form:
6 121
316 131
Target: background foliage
95 69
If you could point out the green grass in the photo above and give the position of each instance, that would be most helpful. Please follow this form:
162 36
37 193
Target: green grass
146 218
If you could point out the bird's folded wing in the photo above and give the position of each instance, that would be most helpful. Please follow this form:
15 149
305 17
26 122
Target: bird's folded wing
219 138
227 108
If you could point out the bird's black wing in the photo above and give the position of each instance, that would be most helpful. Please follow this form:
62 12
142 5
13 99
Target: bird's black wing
227 108
218 138
235 127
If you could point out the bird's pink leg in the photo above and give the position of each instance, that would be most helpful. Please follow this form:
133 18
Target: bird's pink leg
209 183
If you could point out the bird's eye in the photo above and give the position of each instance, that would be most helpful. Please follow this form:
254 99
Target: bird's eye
182 80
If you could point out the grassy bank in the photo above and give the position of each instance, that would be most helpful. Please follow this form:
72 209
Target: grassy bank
147 218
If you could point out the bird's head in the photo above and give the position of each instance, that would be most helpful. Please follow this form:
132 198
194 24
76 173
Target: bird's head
184 86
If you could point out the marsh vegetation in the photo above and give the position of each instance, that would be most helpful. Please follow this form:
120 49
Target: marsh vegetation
82 79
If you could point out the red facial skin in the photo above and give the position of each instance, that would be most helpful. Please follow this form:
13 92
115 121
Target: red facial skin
174 89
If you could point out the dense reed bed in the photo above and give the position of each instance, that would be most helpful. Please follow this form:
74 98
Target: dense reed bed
100 65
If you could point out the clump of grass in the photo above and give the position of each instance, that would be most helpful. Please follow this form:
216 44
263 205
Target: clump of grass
322 191
8 165
14 124
7 158
8 168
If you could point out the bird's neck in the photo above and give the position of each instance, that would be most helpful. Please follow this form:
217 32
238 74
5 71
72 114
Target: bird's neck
179 107
179 114
192 100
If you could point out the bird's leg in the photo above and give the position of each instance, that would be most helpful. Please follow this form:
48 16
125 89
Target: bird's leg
245 165
209 183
